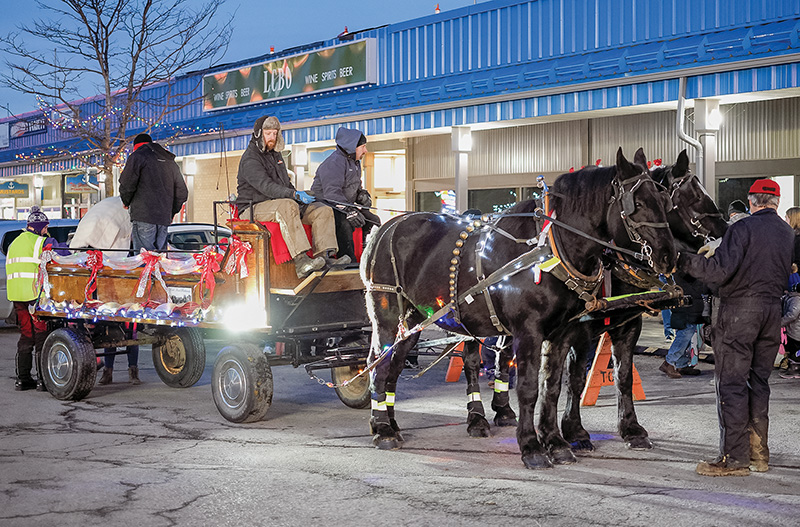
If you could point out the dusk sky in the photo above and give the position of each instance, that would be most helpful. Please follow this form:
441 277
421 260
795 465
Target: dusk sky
261 24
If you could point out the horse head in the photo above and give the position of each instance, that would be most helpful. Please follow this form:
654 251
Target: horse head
638 215
693 217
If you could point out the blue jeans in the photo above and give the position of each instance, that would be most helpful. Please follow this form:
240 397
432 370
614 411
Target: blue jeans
133 357
149 236
666 315
679 352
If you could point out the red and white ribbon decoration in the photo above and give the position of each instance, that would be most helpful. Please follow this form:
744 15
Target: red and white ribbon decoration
152 266
94 262
43 280
237 259
208 261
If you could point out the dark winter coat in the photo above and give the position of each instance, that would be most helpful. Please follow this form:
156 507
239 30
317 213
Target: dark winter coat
791 315
796 257
262 176
685 316
753 262
151 185
338 178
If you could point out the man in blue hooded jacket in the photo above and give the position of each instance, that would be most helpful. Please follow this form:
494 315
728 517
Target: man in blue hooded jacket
338 181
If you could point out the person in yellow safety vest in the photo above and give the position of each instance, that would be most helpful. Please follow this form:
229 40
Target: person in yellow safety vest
22 270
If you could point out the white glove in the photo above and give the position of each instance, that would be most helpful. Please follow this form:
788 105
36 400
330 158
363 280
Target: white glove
710 247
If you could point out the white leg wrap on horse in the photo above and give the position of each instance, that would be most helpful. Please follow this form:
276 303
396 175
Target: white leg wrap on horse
474 396
380 406
500 386
389 398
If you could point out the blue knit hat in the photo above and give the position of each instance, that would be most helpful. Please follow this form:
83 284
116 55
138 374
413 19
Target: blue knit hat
37 220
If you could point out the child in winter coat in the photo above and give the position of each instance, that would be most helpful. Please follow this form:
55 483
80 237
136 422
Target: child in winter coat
791 321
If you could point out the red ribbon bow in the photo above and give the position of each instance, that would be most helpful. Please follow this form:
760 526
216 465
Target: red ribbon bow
152 266
237 259
94 262
208 261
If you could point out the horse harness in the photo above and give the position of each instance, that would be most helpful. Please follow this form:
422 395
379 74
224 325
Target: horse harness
694 219
544 256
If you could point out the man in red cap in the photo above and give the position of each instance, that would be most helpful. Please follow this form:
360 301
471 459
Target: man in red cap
751 265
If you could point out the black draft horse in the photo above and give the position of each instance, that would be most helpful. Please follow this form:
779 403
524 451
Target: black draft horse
693 218
415 267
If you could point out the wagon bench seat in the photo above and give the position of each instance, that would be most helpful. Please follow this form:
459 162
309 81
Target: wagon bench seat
282 277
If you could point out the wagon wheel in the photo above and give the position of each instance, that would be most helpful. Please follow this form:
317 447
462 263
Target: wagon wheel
241 383
356 394
180 360
69 364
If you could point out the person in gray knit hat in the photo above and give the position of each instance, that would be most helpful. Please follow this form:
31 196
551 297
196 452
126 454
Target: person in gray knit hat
263 181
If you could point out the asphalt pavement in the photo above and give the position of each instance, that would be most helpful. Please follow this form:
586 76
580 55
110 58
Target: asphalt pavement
151 455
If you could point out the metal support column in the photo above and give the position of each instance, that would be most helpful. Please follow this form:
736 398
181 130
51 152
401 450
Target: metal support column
707 120
462 145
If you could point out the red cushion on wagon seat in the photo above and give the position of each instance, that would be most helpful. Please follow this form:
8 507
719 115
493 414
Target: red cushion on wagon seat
281 253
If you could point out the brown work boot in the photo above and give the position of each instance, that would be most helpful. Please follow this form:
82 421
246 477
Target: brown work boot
133 375
670 370
759 452
722 467
106 377
304 265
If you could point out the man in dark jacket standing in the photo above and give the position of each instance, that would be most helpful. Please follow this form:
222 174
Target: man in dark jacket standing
153 190
264 181
338 179
751 266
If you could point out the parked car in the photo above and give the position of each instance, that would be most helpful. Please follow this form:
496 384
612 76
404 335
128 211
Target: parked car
194 236
181 236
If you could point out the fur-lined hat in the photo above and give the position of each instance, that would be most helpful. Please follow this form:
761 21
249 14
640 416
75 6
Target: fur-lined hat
268 122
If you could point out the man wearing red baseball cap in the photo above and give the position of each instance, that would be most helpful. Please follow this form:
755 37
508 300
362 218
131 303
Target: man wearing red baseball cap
752 266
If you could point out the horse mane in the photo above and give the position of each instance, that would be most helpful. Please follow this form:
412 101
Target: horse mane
583 192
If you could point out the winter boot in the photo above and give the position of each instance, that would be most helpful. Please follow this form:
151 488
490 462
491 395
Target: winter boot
759 451
722 466
133 375
106 378
24 384
670 370
332 261
792 370
304 265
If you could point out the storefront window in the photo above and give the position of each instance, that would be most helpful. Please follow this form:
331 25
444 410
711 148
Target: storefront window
492 200
730 189
531 193
437 201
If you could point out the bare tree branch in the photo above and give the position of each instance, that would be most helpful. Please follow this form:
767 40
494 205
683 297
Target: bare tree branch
90 62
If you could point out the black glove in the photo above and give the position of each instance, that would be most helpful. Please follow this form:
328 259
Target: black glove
355 218
363 198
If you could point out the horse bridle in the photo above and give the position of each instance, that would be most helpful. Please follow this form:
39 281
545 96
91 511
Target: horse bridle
626 200
695 219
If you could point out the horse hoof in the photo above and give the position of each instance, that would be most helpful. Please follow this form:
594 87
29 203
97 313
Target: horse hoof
478 431
501 420
638 443
563 456
385 443
582 445
536 461
478 426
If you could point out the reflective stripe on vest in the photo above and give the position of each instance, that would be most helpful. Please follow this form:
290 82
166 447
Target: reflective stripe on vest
22 267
